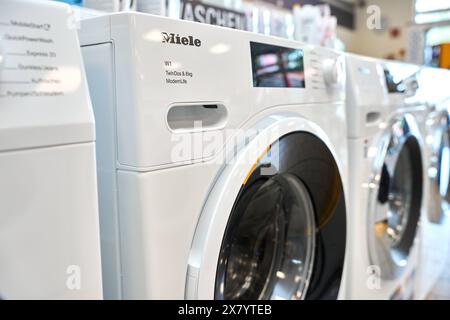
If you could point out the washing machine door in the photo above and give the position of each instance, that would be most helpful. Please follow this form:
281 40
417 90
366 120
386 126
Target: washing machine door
395 198
439 170
274 224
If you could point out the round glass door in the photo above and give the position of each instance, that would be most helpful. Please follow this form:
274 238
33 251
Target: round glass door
285 236
269 248
395 205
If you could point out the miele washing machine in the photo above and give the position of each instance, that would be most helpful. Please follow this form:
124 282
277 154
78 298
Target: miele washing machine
222 161
386 185
49 223
435 223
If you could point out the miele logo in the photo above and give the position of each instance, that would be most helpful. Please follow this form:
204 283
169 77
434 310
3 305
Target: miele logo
176 39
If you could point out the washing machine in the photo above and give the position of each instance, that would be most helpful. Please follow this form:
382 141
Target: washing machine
435 237
406 96
386 185
222 161
49 223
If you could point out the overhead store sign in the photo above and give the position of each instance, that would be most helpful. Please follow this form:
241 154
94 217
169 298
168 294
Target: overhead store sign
205 13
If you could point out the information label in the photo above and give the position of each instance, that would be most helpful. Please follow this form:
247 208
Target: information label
33 55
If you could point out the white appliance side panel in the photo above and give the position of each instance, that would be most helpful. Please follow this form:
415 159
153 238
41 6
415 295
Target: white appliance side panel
43 94
49 238
94 31
100 75
361 283
159 212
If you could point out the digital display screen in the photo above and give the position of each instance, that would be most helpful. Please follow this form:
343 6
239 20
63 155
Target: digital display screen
397 76
277 67
393 85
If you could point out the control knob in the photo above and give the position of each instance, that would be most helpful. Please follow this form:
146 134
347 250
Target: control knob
333 71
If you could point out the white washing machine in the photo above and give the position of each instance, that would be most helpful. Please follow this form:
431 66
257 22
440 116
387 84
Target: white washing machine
49 223
406 96
435 235
385 185
222 161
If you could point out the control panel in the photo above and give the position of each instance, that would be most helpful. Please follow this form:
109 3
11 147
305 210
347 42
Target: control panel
43 92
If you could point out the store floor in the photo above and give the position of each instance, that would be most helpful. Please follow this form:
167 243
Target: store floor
442 289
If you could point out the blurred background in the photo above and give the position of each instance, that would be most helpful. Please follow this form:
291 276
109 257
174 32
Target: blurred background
416 31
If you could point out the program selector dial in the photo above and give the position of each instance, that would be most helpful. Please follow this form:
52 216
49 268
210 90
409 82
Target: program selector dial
333 71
